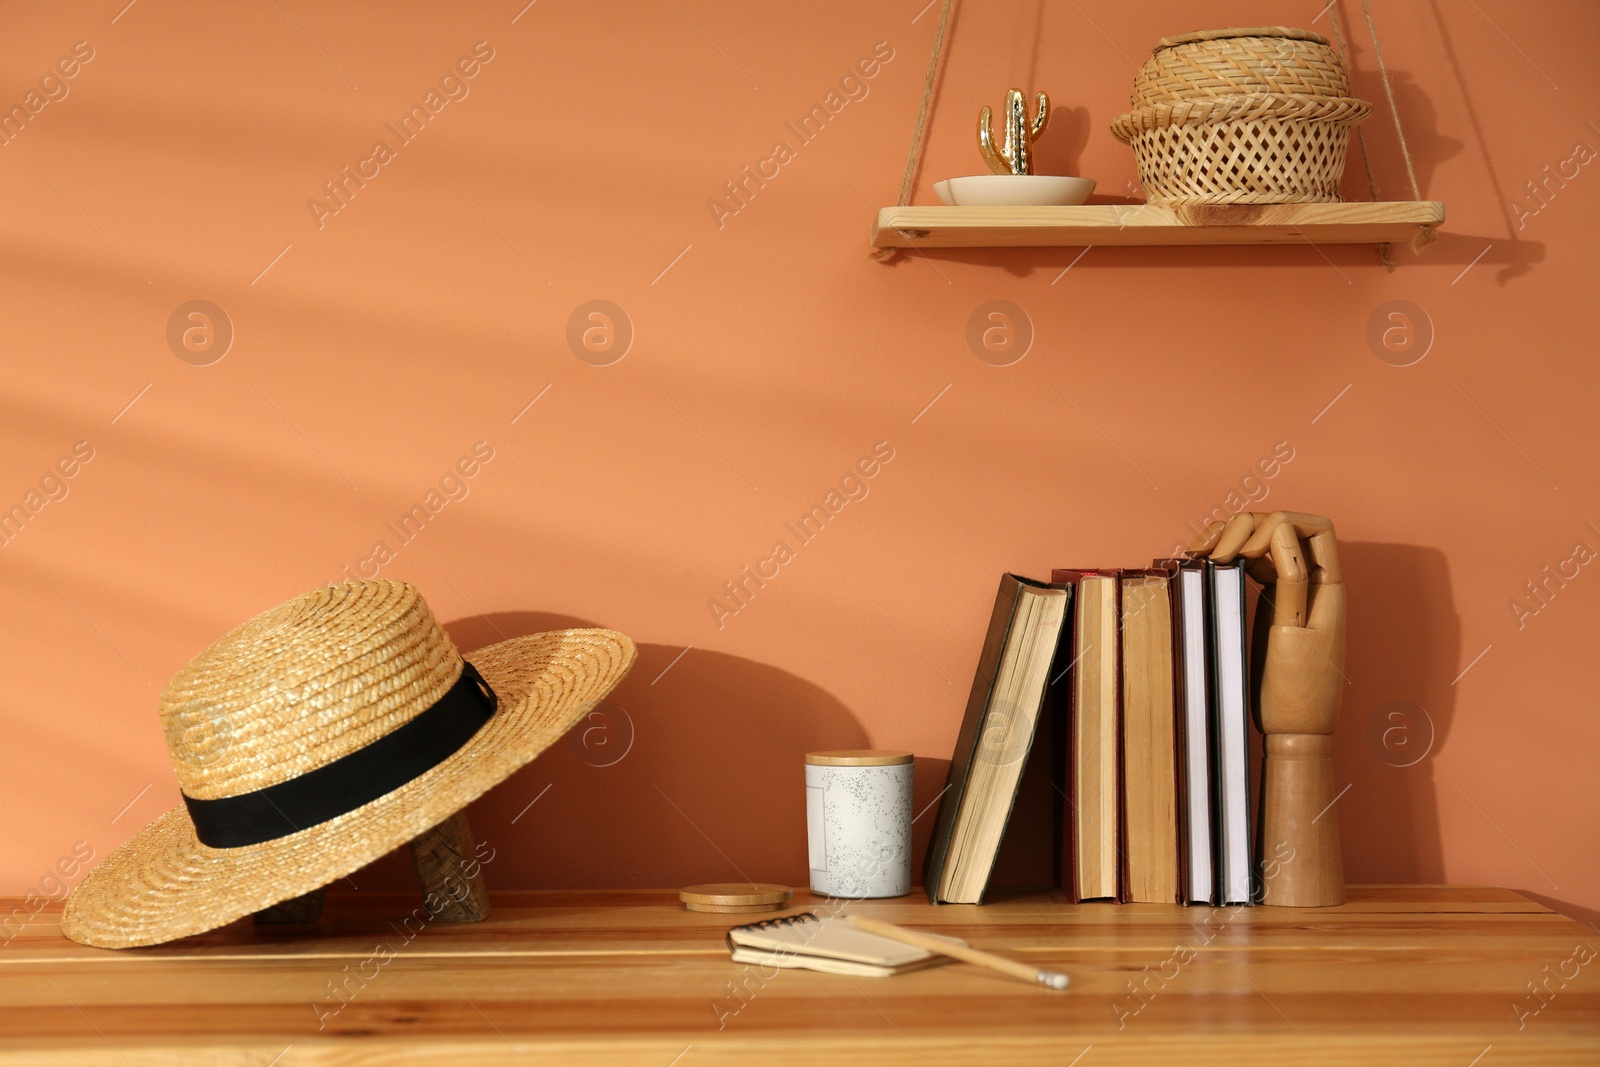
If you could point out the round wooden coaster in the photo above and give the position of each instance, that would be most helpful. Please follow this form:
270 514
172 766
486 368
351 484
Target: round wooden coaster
735 897
735 909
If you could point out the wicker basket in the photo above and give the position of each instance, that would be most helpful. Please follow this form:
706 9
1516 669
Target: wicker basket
1257 116
1265 149
1271 59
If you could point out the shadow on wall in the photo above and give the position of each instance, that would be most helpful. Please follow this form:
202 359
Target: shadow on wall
692 769
1429 149
1420 119
1516 265
1403 652
1061 149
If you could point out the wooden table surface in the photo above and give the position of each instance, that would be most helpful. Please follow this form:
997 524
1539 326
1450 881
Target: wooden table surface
1411 975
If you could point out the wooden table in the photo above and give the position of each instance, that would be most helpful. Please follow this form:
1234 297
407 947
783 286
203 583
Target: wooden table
1411 975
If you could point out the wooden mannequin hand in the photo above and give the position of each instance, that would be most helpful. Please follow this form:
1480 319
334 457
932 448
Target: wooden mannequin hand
1300 623
1298 680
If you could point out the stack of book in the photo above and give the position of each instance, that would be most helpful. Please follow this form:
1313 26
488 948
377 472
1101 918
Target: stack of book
1128 690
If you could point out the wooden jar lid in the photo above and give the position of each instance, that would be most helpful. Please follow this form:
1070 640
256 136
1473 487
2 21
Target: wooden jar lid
859 757
735 897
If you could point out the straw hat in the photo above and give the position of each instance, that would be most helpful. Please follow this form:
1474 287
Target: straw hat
317 737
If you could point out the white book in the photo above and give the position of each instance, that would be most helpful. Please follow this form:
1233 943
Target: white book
1231 747
1194 673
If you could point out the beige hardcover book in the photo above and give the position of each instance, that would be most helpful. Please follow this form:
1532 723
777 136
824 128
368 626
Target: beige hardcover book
1093 817
1149 746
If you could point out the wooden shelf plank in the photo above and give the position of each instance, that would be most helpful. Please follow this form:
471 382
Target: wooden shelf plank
1428 976
1148 224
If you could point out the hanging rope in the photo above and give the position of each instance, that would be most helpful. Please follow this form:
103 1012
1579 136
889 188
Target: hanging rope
1388 90
1361 138
1384 257
1426 237
914 157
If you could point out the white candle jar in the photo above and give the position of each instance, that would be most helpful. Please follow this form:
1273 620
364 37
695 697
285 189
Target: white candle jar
858 822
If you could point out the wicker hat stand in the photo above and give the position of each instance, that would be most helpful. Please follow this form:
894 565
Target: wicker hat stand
1240 137
448 871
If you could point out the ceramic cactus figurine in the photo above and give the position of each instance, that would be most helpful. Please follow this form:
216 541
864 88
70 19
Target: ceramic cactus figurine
1015 156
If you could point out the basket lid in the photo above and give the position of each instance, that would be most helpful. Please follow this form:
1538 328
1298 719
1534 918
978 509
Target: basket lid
1251 31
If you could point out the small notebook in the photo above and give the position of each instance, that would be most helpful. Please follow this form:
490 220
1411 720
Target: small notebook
830 945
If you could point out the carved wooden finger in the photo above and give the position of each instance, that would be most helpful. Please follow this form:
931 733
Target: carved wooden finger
1289 600
1288 557
1238 533
1262 571
1222 540
1326 612
1234 536
1207 539
302 909
1266 526
1325 554
450 872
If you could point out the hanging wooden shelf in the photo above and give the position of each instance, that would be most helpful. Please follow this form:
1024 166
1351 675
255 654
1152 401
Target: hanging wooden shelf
1149 224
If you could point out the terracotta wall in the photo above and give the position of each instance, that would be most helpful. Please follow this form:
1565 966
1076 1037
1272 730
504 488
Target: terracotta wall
579 152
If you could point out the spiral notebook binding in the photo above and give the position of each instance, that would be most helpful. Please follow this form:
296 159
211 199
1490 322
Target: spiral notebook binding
772 924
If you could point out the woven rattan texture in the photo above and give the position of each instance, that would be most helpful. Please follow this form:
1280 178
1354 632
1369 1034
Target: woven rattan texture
1231 66
303 684
1242 117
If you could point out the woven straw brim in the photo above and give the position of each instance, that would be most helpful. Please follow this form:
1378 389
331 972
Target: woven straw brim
164 884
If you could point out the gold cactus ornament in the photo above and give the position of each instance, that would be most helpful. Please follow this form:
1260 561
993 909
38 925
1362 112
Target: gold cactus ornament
1015 156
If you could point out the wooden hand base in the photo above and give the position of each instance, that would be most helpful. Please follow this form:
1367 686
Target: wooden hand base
1299 846
448 871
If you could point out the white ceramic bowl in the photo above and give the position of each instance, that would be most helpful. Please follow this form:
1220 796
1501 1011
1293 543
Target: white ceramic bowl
1013 190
